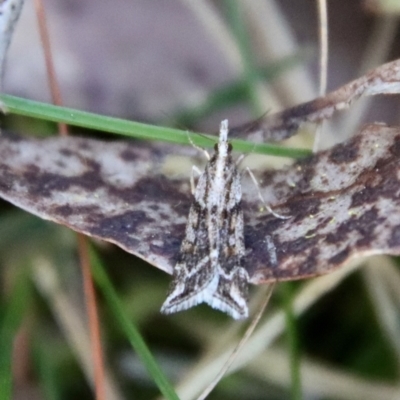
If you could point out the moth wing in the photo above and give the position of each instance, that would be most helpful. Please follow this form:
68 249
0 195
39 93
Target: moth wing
195 278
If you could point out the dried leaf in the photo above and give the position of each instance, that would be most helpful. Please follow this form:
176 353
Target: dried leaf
279 126
343 202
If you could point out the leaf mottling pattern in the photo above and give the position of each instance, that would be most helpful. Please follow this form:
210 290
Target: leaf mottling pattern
342 203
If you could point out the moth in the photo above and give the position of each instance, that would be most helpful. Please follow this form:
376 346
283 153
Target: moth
210 267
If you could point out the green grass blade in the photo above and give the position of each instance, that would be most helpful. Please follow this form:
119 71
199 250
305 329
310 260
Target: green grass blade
46 370
129 328
134 129
286 291
49 112
13 316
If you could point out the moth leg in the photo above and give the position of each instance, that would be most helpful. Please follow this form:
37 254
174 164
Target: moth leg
240 159
243 156
253 178
192 184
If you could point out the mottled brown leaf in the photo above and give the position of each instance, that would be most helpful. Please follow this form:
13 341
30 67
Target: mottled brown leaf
343 202
384 79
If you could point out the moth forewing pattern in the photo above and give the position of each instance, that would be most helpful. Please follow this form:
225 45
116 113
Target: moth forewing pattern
210 267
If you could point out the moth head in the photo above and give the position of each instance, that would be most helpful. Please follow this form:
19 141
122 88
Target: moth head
228 145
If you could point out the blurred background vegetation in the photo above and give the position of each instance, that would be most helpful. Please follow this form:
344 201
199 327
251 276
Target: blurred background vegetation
188 65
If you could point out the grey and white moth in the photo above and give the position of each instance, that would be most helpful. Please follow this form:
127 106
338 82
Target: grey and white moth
210 262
